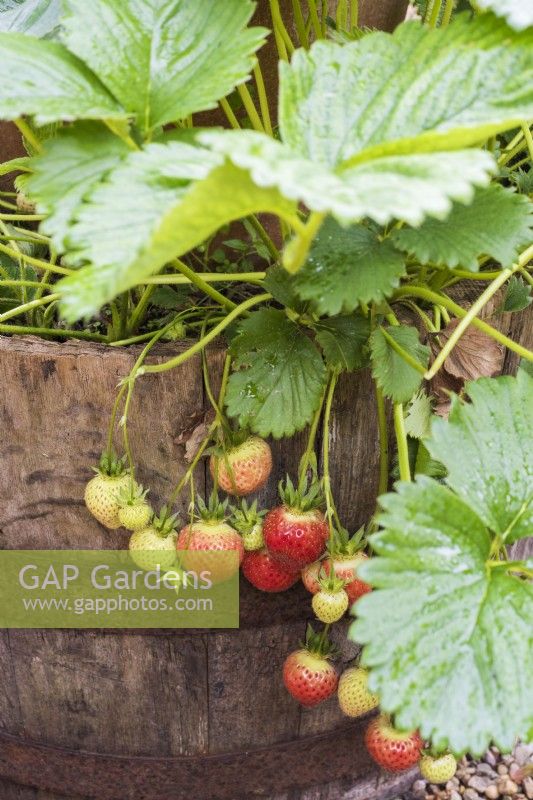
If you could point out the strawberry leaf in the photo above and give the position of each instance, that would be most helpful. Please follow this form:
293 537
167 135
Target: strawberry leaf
68 169
519 14
497 223
348 266
517 295
153 207
487 448
33 17
396 377
279 377
343 341
186 57
44 80
448 640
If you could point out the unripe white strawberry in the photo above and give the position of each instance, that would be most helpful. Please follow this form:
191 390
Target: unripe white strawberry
438 769
134 513
353 694
102 492
155 546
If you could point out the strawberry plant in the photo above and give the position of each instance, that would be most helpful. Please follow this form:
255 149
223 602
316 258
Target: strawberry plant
393 168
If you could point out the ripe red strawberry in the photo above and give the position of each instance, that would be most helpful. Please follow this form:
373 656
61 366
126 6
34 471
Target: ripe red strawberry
331 602
296 532
391 749
266 573
310 576
307 673
345 556
244 468
211 534
102 492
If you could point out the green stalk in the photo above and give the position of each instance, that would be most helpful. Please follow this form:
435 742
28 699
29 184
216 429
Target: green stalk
331 511
265 238
35 284
315 20
528 138
383 441
228 111
448 11
209 277
280 44
279 27
23 330
435 11
401 442
354 14
140 309
296 251
35 262
300 24
22 217
311 439
263 99
28 134
213 333
42 301
202 285
251 110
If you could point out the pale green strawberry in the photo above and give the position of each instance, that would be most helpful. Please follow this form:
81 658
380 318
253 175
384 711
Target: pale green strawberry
134 513
155 546
102 491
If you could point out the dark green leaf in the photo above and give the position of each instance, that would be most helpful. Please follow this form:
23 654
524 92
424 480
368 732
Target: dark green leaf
344 341
281 286
348 266
497 223
280 375
487 448
398 379
42 79
448 640
165 60
517 295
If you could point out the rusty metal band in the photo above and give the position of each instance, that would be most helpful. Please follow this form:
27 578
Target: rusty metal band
338 755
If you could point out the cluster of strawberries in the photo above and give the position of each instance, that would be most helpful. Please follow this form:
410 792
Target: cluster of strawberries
275 549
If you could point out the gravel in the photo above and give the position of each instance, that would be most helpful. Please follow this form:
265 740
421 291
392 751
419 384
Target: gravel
494 777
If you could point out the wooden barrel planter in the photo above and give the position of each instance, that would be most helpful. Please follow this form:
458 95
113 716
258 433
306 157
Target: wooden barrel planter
158 715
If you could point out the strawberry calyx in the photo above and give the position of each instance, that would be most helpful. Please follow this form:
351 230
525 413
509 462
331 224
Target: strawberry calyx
302 499
214 511
245 517
164 524
330 582
342 545
132 495
110 465
318 644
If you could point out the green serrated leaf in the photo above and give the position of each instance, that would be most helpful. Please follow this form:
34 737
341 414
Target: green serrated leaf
497 223
518 13
398 379
346 267
159 203
449 641
44 80
34 17
418 416
68 169
487 448
281 286
280 375
185 56
406 187
517 295
428 81
344 341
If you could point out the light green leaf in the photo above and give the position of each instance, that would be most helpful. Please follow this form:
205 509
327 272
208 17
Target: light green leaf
487 448
517 295
185 55
398 379
497 223
348 266
158 204
344 341
418 416
419 89
42 79
33 17
280 375
67 170
518 13
449 642
407 187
